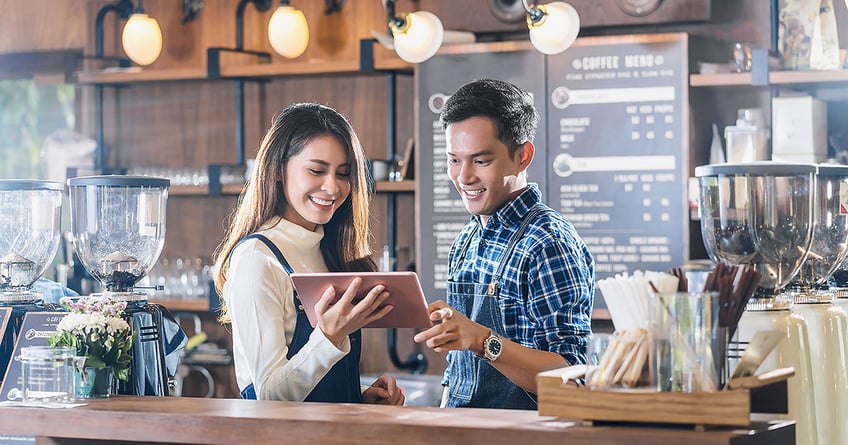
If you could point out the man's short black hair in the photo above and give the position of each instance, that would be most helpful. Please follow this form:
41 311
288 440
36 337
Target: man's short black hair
510 107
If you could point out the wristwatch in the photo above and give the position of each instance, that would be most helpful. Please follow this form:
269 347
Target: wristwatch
492 347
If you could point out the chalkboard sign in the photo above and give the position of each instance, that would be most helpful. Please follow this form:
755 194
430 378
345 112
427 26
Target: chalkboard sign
618 138
37 326
441 213
611 151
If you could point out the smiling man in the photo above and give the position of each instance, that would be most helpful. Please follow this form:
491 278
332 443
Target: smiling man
521 280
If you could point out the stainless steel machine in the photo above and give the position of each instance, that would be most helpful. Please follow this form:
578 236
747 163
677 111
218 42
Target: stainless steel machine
791 222
761 214
30 211
118 230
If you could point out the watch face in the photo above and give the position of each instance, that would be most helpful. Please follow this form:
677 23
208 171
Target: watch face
494 347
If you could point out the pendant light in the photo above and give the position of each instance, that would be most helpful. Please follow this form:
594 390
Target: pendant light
288 31
417 35
553 27
141 37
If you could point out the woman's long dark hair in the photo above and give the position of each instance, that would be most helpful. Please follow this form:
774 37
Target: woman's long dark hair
345 245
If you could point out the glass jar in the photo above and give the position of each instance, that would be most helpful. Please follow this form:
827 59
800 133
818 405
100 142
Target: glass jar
47 374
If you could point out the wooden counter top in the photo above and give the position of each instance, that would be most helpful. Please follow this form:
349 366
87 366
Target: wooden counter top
123 419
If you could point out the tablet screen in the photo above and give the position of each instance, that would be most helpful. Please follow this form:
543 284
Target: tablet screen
405 294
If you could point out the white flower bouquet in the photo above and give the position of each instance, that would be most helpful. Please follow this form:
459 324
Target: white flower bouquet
95 329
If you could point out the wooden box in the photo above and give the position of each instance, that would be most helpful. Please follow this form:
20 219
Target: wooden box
728 408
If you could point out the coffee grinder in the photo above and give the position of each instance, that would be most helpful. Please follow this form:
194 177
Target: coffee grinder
30 211
827 324
761 214
118 231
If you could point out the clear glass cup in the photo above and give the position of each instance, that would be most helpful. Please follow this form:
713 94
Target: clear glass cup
47 374
687 347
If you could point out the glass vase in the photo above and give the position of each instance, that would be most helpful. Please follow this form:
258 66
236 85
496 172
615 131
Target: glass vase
94 383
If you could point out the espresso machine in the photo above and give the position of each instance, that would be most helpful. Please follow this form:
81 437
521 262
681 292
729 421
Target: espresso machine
30 211
827 323
761 214
118 232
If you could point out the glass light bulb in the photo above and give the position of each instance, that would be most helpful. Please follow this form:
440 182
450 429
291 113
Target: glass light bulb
557 29
142 39
288 32
420 38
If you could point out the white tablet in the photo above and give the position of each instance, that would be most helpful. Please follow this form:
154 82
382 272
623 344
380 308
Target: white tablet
405 294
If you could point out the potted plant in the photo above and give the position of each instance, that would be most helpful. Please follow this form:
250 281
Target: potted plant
102 339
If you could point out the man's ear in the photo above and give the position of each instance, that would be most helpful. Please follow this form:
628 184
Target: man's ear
525 154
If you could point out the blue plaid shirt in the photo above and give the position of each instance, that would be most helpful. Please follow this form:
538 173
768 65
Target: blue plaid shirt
548 285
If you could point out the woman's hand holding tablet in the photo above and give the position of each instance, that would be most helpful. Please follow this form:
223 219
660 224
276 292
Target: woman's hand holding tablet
338 317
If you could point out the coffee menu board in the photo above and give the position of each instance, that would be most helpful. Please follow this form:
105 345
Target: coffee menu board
35 329
441 213
618 148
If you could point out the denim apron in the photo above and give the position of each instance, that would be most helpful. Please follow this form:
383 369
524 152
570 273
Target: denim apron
472 381
341 384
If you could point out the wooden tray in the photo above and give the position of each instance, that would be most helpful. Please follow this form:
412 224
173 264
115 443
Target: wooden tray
725 408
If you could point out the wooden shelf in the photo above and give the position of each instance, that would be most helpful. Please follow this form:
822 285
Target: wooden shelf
601 314
200 190
405 186
136 76
377 57
232 189
720 80
188 190
194 305
256 70
290 69
775 78
805 77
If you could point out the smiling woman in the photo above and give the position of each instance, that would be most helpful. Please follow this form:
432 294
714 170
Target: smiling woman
305 209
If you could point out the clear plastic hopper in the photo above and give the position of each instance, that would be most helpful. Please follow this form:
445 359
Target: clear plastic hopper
118 226
760 214
118 229
30 211
830 229
29 234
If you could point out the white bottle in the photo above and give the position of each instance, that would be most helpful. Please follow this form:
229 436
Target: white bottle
824 48
716 150
794 350
387 261
827 326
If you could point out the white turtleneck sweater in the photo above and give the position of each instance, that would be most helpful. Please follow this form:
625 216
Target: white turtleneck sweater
259 296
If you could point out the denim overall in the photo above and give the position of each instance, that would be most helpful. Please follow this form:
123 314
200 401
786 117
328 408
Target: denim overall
341 384
472 381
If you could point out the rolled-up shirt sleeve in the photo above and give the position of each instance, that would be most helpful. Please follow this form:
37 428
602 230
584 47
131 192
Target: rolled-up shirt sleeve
561 297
